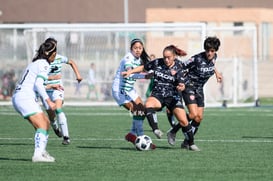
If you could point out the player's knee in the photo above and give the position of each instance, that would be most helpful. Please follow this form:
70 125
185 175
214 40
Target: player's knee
139 110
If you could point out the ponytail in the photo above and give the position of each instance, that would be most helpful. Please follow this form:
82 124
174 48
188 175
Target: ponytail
175 50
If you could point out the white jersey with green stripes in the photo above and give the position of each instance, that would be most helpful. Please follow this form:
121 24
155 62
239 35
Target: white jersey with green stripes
56 69
128 62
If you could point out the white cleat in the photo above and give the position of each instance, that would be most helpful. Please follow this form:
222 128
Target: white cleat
194 148
158 133
44 157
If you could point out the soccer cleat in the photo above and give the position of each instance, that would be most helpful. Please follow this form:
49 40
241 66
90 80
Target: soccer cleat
58 132
158 133
171 138
152 146
185 144
130 138
194 148
44 157
66 140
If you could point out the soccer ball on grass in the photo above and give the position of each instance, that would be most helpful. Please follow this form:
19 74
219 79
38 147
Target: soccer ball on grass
143 143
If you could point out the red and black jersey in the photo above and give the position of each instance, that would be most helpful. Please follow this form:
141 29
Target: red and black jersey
199 70
165 78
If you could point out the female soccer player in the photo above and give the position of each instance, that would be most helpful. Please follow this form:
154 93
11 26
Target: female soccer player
24 98
123 90
168 82
200 68
57 96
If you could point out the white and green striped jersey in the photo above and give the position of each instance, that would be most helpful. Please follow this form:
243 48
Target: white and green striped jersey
56 68
128 62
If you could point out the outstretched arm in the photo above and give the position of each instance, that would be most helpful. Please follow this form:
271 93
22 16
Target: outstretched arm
76 70
131 71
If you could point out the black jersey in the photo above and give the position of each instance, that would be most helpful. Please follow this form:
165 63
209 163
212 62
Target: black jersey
199 70
165 78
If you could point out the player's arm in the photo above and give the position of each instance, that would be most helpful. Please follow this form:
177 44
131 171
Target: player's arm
218 75
54 77
76 70
132 71
39 85
180 81
142 75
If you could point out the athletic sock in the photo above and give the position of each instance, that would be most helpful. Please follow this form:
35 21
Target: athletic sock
152 118
138 125
54 124
176 128
40 141
187 131
195 126
170 117
63 122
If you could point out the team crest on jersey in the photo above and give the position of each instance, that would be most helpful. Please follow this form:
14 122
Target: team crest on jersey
192 97
45 67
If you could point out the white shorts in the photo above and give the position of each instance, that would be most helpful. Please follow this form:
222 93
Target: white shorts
53 95
26 106
123 97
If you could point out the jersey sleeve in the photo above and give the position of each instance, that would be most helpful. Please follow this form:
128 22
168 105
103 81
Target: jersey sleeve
62 59
41 78
190 63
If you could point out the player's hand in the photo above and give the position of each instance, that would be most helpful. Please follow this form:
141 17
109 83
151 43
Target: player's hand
79 79
126 74
180 87
51 104
57 87
219 78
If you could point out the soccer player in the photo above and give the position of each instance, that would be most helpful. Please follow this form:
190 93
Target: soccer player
123 90
24 98
55 77
200 68
168 82
92 82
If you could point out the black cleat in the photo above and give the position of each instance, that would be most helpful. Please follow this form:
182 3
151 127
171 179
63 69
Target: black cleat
66 140
58 132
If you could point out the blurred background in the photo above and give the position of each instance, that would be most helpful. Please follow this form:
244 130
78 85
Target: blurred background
99 32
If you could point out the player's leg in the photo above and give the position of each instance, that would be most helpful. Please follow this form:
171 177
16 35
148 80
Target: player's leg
52 116
152 105
31 110
41 124
62 121
54 123
180 114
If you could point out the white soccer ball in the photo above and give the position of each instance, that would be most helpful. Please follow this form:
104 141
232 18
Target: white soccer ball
143 143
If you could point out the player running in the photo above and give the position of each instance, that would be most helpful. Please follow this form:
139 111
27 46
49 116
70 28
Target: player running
55 77
168 82
24 98
200 68
123 90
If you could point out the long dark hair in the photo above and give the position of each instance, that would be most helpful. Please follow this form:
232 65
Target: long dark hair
145 58
45 50
175 50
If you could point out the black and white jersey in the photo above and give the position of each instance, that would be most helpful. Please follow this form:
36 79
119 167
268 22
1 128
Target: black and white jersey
199 70
165 78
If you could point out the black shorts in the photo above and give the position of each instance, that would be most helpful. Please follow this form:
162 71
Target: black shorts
170 102
191 96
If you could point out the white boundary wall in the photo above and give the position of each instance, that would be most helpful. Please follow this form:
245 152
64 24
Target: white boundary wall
188 36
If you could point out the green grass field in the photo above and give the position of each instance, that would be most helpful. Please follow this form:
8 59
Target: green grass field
235 143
